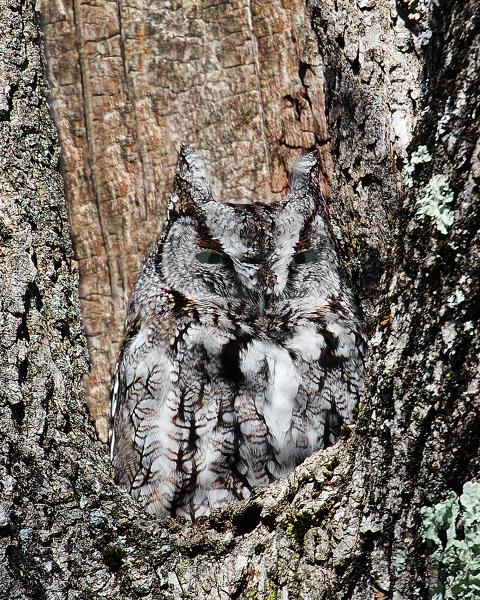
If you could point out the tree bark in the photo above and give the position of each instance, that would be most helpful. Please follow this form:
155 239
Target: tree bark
336 527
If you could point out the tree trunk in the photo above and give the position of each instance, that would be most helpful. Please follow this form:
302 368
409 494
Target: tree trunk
347 523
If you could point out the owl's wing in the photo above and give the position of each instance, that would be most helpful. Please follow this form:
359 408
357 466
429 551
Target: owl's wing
127 394
139 407
115 399
343 362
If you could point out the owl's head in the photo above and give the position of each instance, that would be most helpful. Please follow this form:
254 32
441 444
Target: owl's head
256 255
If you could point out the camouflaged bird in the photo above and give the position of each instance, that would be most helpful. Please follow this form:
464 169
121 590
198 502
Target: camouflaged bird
243 350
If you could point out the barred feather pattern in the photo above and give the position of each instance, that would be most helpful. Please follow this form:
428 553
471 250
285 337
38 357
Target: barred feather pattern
243 352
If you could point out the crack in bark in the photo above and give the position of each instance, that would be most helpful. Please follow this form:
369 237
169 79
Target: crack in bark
89 133
131 95
256 62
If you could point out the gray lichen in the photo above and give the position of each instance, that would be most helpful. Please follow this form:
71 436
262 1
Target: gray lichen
435 201
420 156
436 195
453 526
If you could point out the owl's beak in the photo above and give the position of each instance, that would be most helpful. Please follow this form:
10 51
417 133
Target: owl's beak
263 302
266 278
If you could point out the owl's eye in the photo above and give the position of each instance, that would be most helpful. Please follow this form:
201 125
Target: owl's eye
209 258
302 258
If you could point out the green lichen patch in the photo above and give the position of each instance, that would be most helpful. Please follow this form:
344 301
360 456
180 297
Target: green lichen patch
453 527
435 197
418 157
435 201
299 524
271 591
399 560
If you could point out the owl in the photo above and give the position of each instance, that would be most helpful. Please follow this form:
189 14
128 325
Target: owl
243 351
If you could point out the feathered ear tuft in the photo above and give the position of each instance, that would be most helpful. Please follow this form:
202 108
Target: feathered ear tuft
305 172
191 169
191 186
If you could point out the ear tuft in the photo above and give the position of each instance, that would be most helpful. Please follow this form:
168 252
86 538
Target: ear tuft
304 172
191 187
191 170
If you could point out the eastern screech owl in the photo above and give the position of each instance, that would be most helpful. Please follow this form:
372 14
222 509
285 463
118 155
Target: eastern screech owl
243 351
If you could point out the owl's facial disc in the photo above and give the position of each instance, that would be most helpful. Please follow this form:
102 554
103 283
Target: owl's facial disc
249 257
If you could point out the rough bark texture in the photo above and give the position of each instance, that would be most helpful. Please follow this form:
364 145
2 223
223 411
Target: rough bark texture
336 526
246 84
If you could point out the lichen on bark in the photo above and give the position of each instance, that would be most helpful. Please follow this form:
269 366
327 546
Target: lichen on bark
346 523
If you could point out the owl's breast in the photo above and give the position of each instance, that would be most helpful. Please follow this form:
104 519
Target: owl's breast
274 390
263 377
271 376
